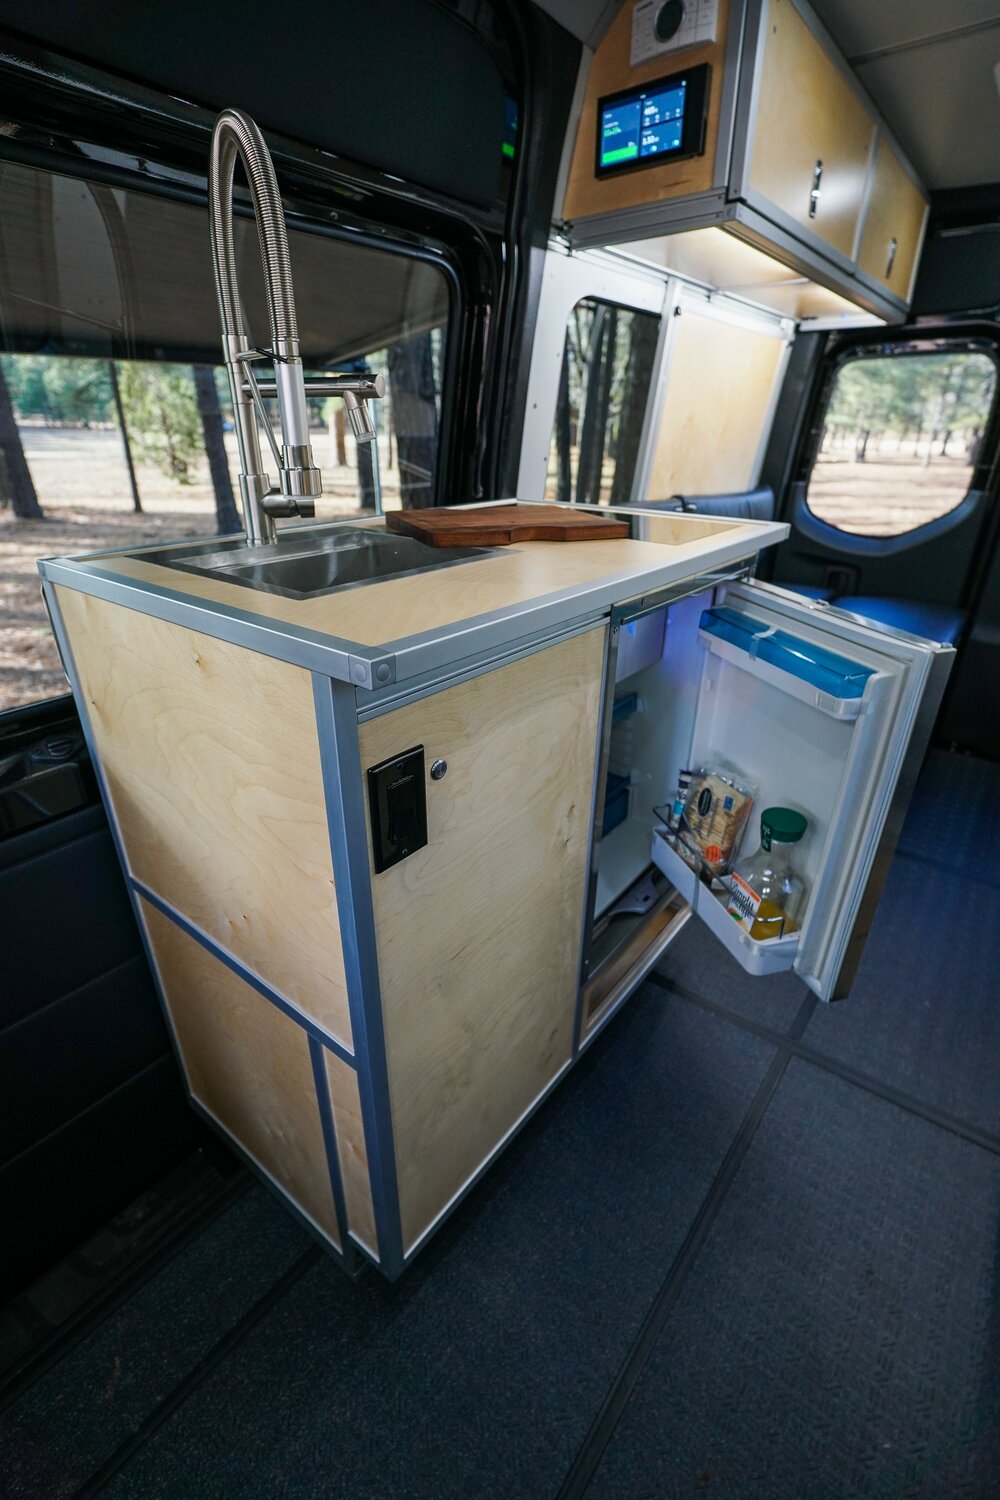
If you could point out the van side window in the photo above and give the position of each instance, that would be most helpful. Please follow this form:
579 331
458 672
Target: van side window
606 369
115 421
900 438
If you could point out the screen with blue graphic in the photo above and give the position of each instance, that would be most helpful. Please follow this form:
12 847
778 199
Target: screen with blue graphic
642 126
646 126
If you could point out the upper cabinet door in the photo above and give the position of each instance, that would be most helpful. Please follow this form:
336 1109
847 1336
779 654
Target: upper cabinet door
894 223
826 714
813 135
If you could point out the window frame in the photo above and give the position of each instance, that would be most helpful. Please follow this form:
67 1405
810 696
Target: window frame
974 339
78 121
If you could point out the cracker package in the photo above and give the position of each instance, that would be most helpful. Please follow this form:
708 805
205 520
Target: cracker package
716 808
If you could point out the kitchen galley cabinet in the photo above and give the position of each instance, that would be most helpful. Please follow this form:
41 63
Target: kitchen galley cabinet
478 932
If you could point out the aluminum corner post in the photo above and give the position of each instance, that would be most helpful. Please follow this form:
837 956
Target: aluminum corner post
340 755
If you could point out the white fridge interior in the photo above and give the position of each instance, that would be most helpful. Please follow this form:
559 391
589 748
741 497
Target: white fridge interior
814 708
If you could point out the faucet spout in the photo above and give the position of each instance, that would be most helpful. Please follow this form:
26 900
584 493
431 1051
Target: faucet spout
237 137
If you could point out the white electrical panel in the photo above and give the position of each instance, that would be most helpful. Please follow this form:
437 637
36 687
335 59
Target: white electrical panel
660 27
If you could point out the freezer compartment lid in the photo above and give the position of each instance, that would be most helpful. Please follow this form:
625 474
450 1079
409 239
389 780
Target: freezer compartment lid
838 676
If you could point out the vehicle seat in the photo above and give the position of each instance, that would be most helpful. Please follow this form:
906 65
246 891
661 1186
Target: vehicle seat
936 622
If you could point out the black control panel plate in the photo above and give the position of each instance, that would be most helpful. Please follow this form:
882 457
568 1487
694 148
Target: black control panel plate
397 804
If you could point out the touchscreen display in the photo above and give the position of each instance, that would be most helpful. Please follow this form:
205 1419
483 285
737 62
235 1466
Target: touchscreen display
661 121
647 125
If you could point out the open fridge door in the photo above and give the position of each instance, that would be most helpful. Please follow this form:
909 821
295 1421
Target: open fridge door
827 714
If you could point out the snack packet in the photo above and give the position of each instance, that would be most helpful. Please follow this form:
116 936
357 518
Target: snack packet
716 808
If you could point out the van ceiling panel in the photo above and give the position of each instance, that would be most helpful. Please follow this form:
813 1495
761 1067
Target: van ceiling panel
404 87
929 68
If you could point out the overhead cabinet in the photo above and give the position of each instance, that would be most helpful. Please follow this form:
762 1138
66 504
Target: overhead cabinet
794 161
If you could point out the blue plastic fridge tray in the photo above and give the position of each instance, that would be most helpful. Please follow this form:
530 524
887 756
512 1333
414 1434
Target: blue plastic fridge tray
822 669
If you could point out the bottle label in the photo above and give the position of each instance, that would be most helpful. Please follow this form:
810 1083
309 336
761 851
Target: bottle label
744 903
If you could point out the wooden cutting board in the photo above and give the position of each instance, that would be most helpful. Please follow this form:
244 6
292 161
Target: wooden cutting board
499 525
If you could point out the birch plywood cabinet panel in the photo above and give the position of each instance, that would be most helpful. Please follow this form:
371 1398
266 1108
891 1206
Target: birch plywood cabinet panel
248 1064
807 113
350 1132
212 763
611 71
719 388
894 223
479 932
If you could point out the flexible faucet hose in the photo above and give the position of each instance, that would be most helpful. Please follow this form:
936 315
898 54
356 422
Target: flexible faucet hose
235 134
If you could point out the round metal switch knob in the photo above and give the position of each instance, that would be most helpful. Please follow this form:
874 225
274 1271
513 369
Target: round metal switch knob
438 769
668 20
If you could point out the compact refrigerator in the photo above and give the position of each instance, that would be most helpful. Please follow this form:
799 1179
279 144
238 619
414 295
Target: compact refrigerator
822 710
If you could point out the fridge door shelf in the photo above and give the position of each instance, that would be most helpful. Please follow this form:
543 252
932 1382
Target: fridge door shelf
771 956
825 680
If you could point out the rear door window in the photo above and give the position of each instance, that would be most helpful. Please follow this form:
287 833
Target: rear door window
900 439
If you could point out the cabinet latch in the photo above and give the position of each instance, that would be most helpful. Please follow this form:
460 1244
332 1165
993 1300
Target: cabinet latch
891 257
814 191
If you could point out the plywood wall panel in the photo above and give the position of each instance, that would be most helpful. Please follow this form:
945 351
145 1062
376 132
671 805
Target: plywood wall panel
718 394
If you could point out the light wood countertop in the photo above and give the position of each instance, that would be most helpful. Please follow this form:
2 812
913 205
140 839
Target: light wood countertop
506 586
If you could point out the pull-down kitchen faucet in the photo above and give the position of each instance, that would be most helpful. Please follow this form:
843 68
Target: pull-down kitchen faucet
236 135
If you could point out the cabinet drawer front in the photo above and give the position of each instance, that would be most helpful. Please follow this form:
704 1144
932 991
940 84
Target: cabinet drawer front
894 224
808 116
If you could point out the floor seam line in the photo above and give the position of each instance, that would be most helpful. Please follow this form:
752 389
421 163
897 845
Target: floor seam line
595 1443
965 1130
195 1377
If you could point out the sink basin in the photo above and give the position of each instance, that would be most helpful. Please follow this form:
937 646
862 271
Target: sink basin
308 563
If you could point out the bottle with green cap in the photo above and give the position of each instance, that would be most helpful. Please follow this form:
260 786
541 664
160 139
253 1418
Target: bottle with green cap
767 897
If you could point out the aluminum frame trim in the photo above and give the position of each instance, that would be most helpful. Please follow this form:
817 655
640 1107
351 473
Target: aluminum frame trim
324 1104
346 1256
603 755
663 359
313 1029
566 280
372 705
297 644
340 757
736 32
624 224
597 798
631 609
747 94
816 263
420 654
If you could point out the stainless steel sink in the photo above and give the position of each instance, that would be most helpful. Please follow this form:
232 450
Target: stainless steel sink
314 561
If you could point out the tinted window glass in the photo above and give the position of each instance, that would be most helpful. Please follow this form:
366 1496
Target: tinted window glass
900 438
603 387
115 424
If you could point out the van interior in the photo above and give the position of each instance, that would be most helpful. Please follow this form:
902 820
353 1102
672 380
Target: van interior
657 1202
